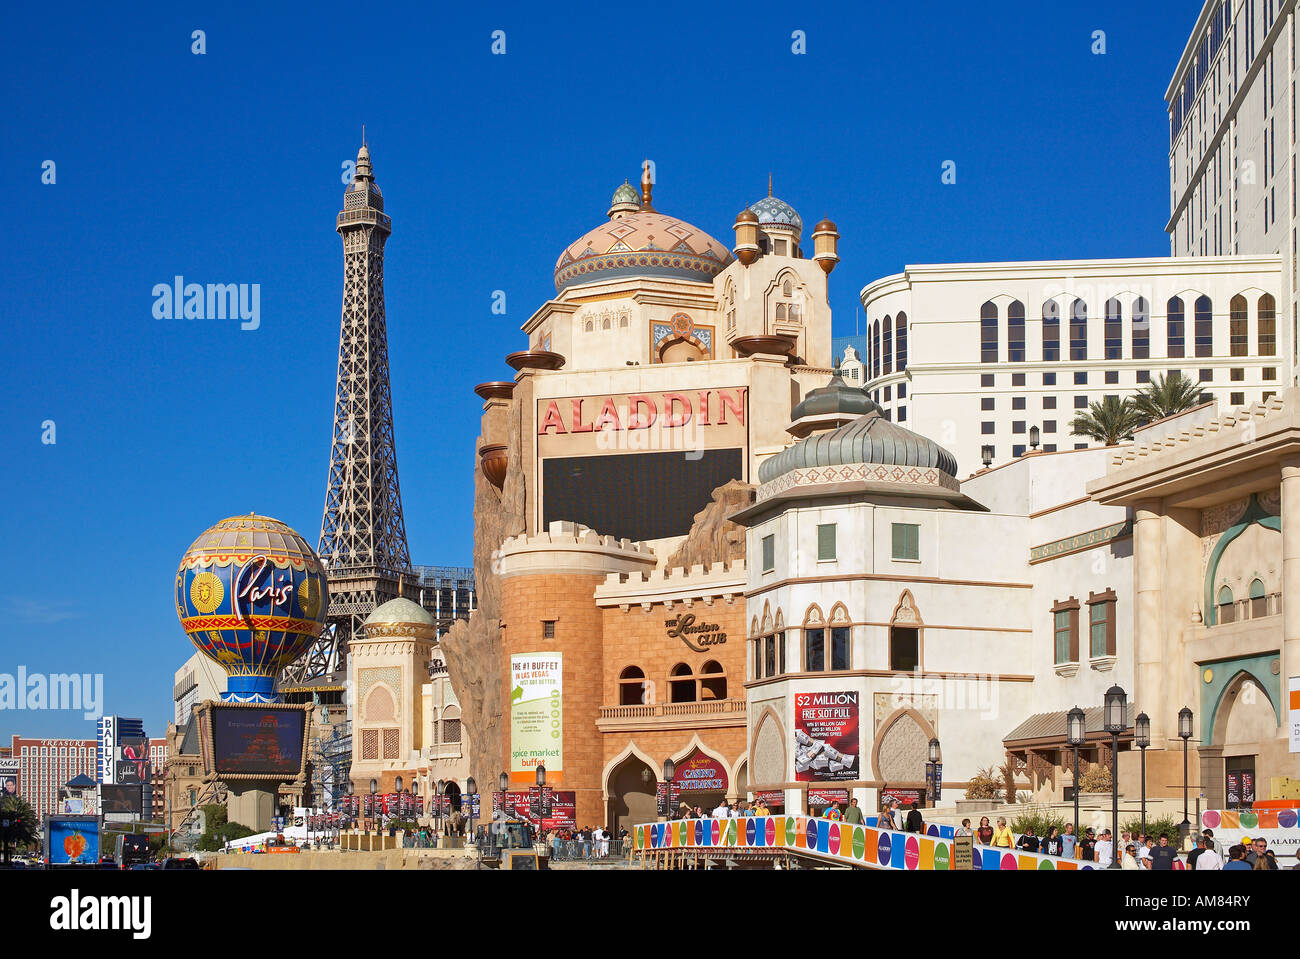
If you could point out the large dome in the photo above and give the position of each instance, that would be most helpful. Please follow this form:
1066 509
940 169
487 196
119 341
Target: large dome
869 439
645 243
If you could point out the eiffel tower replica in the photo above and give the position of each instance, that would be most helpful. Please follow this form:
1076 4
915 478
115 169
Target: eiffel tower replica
362 534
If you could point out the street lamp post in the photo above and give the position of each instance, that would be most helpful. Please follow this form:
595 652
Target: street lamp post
471 789
1074 733
1142 737
670 772
374 788
1114 706
931 768
1185 733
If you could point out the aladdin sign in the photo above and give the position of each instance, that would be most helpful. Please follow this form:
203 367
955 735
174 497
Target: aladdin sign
688 419
698 636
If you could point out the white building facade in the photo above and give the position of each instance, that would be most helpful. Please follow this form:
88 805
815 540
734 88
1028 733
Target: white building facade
978 354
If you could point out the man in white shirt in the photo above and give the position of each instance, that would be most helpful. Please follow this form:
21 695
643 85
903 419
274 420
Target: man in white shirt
722 811
1105 850
1209 858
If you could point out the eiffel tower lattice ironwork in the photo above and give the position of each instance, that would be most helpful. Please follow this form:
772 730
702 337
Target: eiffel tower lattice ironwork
362 534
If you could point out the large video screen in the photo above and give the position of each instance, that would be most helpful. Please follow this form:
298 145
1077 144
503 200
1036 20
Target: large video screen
635 495
121 799
258 742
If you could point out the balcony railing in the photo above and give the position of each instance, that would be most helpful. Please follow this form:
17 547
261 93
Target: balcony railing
707 707
1242 610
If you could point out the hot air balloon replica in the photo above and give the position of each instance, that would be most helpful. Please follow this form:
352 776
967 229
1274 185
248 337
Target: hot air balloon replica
252 596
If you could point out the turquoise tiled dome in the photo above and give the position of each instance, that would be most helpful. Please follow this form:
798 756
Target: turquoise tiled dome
772 211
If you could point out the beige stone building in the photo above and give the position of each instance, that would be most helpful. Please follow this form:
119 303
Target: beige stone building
1215 498
407 720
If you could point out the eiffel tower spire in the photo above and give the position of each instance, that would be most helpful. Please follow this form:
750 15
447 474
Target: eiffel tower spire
362 533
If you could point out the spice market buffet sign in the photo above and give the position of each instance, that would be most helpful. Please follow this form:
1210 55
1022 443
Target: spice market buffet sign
840 843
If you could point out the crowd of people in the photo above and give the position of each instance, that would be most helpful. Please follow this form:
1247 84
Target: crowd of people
1136 851
587 843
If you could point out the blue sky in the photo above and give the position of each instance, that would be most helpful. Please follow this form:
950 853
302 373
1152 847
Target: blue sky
226 167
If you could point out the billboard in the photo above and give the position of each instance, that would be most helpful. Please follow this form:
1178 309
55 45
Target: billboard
700 773
118 799
257 741
72 840
536 716
10 784
564 806
826 736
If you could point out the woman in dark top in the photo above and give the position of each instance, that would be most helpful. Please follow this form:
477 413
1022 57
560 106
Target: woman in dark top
984 834
1052 844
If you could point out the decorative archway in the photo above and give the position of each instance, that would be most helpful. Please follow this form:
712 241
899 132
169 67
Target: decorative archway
1226 680
1255 513
899 752
768 749
629 783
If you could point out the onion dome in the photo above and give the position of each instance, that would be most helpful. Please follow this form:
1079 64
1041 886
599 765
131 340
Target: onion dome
399 617
866 437
772 211
645 244
625 200
400 610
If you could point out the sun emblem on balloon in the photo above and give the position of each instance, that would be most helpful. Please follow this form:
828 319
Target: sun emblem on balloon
308 598
206 592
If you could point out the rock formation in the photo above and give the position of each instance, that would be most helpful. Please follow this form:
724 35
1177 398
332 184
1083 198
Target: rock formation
473 648
713 537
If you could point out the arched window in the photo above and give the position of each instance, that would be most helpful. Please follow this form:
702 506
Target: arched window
900 340
1113 331
1238 337
1051 330
1176 329
1258 599
681 684
787 289
875 349
713 682
814 649
632 687
1204 327
451 725
904 648
1141 329
840 638
780 312
1016 331
1078 330
605 324
888 340
1267 326
989 332
1225 604
587 328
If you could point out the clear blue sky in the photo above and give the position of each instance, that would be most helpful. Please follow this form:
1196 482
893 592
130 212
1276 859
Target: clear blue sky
226 168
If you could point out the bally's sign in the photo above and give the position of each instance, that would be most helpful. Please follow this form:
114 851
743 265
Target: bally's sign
698 636
643 422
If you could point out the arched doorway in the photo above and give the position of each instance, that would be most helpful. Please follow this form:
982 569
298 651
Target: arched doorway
1244 720
452 792
631 791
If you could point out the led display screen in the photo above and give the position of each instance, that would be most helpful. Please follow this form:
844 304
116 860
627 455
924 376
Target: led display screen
257 741
639 496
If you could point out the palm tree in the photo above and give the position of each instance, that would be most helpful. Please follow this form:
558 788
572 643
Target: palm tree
1166 396
1107 422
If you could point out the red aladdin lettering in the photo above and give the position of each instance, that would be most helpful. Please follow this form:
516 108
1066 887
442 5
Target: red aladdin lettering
643 411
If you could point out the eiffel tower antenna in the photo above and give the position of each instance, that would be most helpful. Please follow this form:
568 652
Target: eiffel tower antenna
362 533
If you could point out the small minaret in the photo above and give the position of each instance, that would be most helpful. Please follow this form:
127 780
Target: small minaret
746 227
825 245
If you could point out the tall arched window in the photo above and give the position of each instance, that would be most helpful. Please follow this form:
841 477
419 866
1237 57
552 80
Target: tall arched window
989 332
631 687
1238 337
1176 328
713 681
1051 330
875 349
1267 326
1258 599
900 340
1113 331
1204 327
1225 605
887 339
1078 330
1141 329
1016 331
